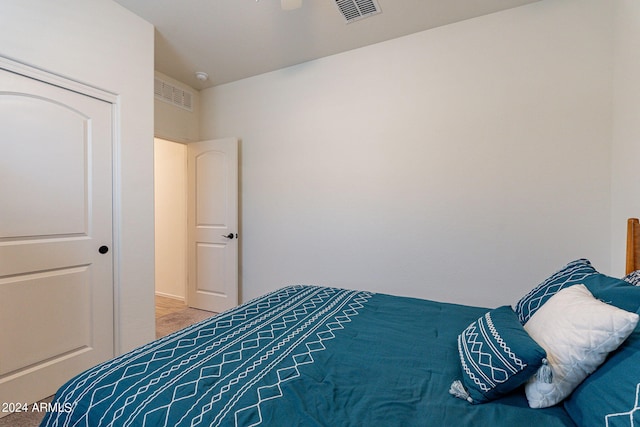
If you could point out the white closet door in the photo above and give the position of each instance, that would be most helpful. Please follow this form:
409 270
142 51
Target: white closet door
56 265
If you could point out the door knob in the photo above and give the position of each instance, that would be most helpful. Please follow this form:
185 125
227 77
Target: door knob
103 249
228 236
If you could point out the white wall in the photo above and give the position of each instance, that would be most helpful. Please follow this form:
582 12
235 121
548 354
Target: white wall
90 41
463 163
171 218
626 126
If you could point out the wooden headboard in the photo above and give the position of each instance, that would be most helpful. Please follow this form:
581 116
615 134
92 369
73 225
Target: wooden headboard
633 245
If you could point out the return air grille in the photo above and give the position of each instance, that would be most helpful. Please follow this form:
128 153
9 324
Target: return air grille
167 92
354 10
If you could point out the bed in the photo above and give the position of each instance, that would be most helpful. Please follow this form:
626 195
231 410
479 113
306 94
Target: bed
319 356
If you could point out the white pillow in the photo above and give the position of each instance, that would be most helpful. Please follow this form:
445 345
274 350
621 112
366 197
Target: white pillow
577 331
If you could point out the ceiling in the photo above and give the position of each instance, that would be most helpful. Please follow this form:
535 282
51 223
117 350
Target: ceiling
234 39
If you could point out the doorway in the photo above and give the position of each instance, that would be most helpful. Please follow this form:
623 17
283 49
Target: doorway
170 190
196 223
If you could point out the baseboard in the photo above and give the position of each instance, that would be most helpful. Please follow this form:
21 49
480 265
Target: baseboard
175 297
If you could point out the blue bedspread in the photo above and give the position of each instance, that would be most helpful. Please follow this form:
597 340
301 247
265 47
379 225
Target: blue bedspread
300 356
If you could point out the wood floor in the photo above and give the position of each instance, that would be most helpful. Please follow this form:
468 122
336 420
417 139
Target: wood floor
166 306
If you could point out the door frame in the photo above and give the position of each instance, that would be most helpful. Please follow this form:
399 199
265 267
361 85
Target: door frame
113 99
187 258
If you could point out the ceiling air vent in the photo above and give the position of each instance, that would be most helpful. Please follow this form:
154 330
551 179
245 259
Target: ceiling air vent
354 10
167 92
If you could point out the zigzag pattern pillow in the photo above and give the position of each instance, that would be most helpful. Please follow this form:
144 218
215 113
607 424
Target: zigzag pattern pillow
497 356
571 274
633 278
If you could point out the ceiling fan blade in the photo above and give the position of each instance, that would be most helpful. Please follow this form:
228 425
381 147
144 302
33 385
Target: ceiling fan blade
290 4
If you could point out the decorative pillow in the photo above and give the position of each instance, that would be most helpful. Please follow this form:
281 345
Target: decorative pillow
571 274
633 278
497 356
619 380
578 332
616 292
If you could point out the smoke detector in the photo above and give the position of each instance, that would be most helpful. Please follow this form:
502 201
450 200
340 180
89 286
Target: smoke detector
202 76
355 10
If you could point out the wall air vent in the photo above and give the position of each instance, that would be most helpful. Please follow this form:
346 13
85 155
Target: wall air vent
167 92
354 10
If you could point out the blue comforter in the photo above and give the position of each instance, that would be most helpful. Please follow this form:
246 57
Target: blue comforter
300 356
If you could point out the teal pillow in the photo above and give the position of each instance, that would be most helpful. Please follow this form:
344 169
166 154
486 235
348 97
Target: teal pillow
616 292
611 395
497 356
571 274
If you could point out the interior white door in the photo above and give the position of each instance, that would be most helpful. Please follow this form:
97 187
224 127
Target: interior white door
212 169
56 266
